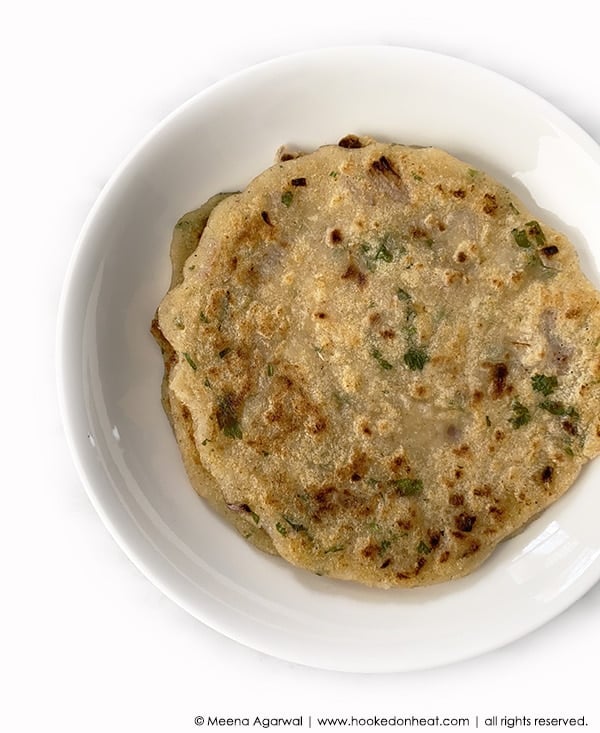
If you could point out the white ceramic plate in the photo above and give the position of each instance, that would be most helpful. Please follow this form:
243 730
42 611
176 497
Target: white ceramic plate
110 368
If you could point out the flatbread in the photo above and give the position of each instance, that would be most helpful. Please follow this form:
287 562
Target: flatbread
388 363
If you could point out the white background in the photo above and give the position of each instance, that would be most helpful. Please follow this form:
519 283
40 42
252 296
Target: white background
88 644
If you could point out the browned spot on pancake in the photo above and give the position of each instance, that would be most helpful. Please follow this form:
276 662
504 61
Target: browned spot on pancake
461 256
462 450
573 313
388 333
383 165
458 472
456 499
550 250
371 550
444 556
499 434
460 193
374 318
418 233
473 548
266 218
569 427
335 236
354 274
547 473
321 315
490 205
298 181
350 141
465 522
477 396
434 538
420 563
386 563
499 374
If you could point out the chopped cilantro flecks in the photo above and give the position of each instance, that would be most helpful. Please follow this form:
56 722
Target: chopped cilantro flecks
534 230
205 442
334 548
223 353
415 359
408 486
179 323
472 172
488 422
513 208
202 317
270 370
383 253
207 383
295 525
521 238
376 354
286 198
521 415
423 548
544 384
334 174
402 294
227 419
255 517
417 177
281 529
190 361
555 407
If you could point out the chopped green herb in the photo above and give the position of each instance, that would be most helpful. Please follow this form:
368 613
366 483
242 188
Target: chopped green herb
415 359
376 354
383 253
521 417
384 546
205 441
535 230
555 407
270 370
255 517
207 383
286 198
223 353
417 177
521 238
227 419
513 208
542 383
402 294
179 323
408 486
294 525
334 548
281 529
202 317
334 174
190 361
569 451
423 548
488 422
472 172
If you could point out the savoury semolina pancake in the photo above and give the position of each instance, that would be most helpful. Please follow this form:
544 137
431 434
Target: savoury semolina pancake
388 364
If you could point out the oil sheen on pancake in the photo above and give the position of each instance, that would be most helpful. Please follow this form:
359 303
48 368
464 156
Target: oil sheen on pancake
383 363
